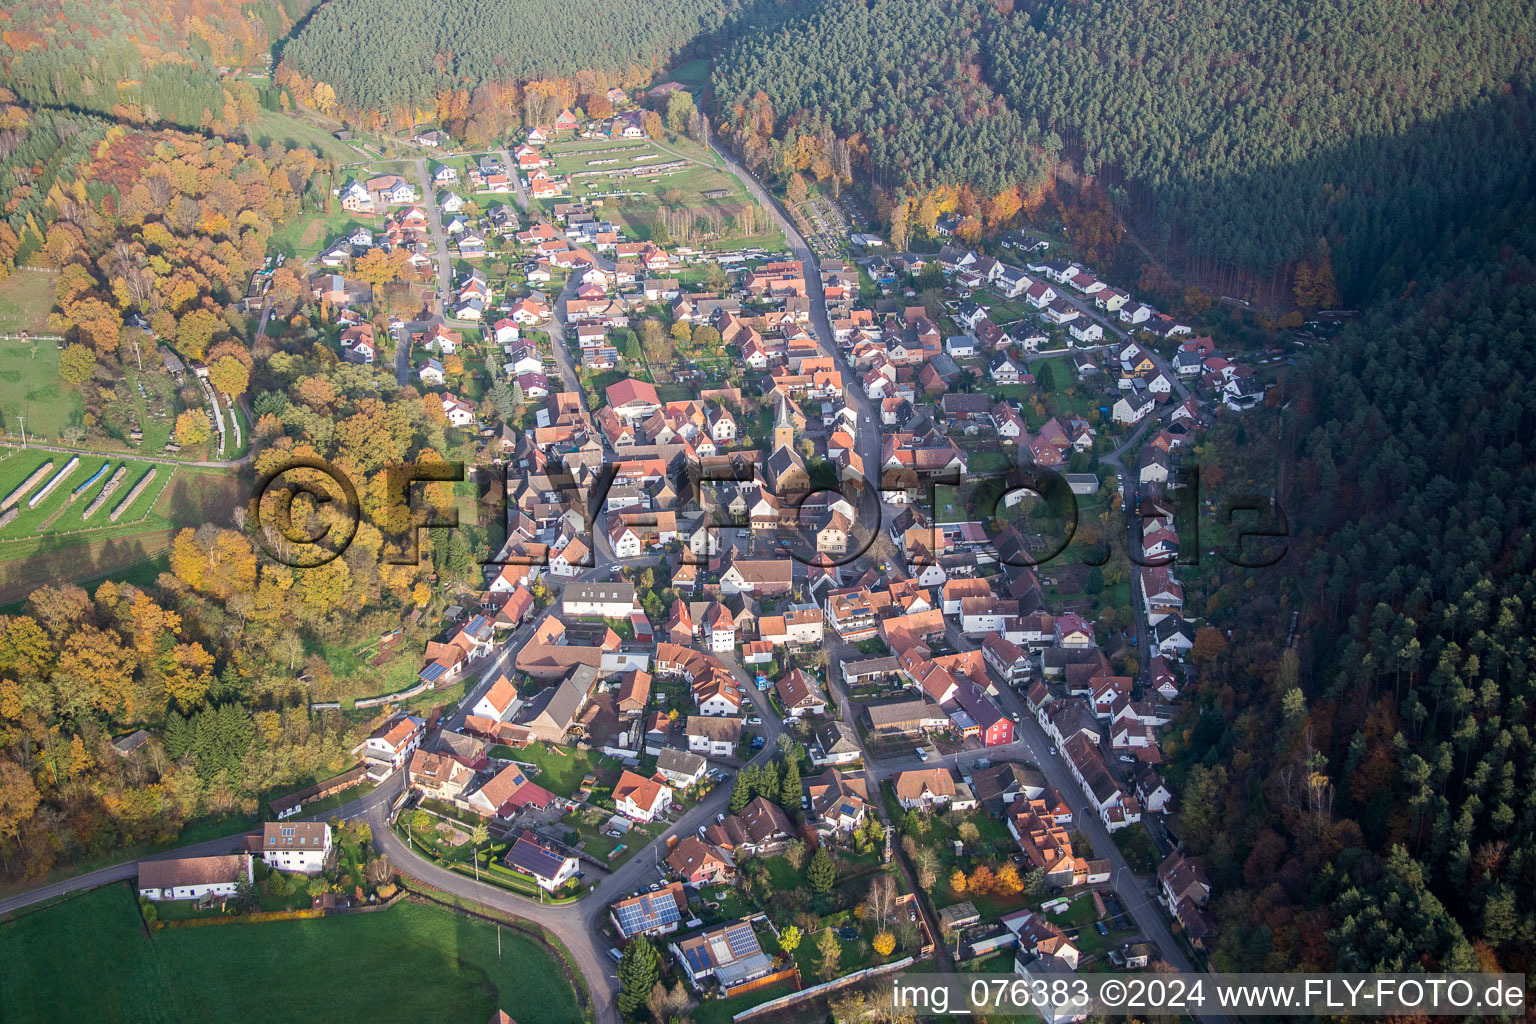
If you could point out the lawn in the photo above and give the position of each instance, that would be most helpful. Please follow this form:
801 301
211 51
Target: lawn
307 234
58 514
25 299
296 133
72 549
30 388
336 968
561 769
720 1011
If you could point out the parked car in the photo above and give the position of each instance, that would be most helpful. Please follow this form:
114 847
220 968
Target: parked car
1127 758
922 753
1100 926
754 720
1053 751
719 819
702 830
614 954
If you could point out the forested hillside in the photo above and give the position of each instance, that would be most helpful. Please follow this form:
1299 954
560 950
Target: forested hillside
205 657
1367 798
138 60
404 55
1252 130
904 82
1241 134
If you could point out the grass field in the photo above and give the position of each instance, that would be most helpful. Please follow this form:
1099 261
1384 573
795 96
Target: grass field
25 299
561 769
180 496
57 514
295 132
638 213
408 963
308 233
30 388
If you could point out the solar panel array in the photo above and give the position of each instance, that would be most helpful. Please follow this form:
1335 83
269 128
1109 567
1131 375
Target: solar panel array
653 910
742 940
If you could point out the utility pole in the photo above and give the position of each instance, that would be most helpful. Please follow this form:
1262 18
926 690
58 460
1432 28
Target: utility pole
23 420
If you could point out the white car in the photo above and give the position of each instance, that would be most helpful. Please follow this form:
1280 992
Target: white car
754 720
922 753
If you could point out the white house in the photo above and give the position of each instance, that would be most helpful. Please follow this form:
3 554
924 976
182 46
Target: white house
300 846
961 346
713 737
193 878
640 798
459 412
391 743
1086 332
546 865
1132 407
600 600
500 701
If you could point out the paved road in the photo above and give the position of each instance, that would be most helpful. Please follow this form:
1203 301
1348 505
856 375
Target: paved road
1032 744
435 227
360 807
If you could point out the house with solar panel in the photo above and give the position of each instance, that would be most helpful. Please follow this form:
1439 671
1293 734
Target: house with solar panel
729 956
547 866
651 913
447 660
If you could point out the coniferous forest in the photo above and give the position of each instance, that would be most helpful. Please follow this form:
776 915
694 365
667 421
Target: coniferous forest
1367 798
1239 134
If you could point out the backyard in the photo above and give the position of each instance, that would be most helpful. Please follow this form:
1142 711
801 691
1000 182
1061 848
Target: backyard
228 972
561 769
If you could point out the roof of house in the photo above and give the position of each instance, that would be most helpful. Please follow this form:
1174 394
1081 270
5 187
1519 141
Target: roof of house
693 853
679 762
639 790
650 910
294 835
178 871
715 727
630 390
931 782
535 858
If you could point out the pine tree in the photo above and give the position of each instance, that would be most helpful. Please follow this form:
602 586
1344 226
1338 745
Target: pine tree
639 971
767 783
503 398
789 783
822 873
741 793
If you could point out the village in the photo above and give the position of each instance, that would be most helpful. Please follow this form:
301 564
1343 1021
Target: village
770 666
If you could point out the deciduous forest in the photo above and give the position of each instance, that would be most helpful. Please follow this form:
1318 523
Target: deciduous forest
138 60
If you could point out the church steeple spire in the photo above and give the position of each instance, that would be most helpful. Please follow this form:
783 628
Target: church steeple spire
783 428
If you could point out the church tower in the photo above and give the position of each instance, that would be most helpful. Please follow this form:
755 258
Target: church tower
783 429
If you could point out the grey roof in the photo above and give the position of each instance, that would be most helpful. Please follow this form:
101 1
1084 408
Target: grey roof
680 762
605 592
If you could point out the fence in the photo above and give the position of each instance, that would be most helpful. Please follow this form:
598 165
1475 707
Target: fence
373 702
823 988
